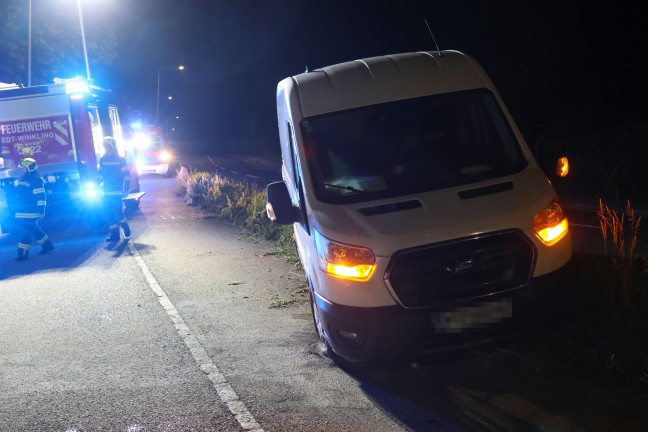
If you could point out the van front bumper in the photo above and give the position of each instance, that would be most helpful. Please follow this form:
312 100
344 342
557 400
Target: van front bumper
388 333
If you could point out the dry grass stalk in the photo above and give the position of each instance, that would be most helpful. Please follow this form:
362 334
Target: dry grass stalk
620 243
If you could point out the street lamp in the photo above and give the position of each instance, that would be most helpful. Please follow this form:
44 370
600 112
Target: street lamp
157 106
85 50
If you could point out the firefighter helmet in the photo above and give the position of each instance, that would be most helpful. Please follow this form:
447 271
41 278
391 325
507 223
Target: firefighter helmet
110 144
29 163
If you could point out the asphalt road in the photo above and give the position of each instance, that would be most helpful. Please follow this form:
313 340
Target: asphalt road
174 331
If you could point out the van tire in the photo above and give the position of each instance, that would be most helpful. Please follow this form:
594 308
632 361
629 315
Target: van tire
323 345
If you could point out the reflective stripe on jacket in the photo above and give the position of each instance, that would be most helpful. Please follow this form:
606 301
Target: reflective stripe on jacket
30 196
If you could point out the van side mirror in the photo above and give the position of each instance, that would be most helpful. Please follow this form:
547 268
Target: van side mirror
279 206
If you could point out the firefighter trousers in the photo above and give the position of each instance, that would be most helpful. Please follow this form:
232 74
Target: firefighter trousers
114 209
31 229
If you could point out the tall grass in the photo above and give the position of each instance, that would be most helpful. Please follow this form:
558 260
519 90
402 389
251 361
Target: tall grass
622 291
619 233
237 203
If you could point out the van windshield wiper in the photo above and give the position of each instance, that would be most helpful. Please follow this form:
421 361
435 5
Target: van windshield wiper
349 188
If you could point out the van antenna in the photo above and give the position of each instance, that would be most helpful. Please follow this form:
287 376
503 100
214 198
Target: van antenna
435 42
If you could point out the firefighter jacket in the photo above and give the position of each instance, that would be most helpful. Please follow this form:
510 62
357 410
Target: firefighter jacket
30 196
113 170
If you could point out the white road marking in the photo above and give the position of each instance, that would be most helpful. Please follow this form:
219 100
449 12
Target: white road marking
225 391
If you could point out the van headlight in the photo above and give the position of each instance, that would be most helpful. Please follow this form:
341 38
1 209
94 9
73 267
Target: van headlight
342 260
550 225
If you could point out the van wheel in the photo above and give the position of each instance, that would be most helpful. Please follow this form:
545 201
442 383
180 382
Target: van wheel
323 345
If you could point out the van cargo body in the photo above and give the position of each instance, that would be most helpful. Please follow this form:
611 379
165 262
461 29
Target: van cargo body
420 215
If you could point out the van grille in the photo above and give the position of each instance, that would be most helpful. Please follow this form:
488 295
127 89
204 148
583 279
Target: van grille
462 270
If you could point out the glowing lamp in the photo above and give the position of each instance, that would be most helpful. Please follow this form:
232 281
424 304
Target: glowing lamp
76 87
165 156
349 272
142 141
562 167
550 225
91 190
344 261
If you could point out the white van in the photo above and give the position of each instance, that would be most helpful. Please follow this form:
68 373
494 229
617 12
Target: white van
421 217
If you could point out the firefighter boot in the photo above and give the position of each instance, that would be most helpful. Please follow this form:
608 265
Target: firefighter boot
126 228
22 254
48 246
114 235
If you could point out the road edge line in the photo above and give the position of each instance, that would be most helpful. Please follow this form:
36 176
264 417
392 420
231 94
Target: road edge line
223 388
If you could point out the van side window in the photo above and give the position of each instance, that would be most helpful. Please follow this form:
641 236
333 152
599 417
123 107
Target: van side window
296 171
293 156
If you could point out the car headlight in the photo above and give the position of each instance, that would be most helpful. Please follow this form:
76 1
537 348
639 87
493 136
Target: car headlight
165 156
344 261
141 141
550 225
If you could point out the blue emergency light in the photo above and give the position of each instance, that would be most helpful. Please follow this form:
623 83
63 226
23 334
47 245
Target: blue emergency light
76 87
91 191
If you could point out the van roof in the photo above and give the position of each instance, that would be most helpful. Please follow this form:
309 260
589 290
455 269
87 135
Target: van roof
386 78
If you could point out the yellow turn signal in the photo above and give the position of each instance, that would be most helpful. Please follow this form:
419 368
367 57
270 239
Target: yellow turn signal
562 167
344 261
550 225
361 271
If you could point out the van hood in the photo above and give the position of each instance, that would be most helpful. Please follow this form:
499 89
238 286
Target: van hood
389 225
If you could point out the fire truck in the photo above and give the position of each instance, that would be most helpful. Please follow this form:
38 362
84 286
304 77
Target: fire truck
152 153
62 126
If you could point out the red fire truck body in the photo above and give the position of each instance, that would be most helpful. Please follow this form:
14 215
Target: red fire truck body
61 126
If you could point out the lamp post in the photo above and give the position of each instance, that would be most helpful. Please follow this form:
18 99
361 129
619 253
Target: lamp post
85 50
29 44
157 106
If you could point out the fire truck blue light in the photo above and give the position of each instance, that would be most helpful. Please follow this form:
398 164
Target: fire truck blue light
75 87
91 190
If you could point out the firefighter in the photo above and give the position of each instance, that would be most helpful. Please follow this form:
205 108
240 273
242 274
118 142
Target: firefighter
30 209
113 171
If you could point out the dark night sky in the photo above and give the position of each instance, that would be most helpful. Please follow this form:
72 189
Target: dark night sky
562 67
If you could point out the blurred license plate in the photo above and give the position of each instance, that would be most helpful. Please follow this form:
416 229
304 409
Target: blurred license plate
460 319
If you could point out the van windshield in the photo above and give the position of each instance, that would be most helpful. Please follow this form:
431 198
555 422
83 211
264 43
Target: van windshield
409 146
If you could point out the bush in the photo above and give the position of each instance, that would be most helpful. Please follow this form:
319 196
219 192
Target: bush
193 185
